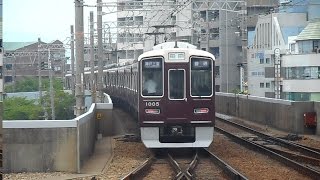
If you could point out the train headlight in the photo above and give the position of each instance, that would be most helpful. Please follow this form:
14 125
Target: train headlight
201 110
152 111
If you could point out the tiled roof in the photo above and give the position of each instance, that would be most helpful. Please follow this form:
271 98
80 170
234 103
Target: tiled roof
311 31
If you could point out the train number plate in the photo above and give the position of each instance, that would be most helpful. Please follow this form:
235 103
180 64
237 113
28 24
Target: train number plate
152 103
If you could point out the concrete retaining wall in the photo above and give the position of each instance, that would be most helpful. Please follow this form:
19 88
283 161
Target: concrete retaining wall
277 113
105 117
51 145
40 146
86 135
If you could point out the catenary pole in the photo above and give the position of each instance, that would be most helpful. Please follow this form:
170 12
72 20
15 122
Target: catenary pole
92 80
50 67
100 50
72 60
79 37
39 72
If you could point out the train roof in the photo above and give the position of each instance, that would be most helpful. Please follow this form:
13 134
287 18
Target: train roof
164 48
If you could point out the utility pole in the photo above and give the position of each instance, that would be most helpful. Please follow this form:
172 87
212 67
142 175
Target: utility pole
72 60
100 50
79 35
39 72
50 66
92 82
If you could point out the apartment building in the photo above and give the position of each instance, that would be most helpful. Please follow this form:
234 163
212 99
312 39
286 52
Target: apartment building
220 27
301 65
274 49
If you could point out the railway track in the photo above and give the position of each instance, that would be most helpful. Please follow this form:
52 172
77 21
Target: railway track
301 158
188 167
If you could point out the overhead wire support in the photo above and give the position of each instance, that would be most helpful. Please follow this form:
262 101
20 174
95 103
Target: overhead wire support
100 51
79 37
92 82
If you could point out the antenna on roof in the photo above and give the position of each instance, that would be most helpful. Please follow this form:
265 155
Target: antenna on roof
176 44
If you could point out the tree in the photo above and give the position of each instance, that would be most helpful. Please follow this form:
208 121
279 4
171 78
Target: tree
18 108
32 85
63 102
29 109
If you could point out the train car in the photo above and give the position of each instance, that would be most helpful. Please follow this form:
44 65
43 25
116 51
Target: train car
176 96
170 90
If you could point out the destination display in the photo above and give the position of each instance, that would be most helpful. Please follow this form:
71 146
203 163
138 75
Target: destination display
201 64
152 64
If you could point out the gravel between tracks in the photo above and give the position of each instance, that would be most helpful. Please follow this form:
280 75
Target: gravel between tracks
250 163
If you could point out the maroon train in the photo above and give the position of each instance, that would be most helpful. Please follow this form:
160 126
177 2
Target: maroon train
171 89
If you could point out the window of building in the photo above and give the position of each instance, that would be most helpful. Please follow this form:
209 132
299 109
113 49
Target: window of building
261 61
138 20
217 71
297 96
9 66
215 51
302 72
267 60
261 85
217 88
267 85
173 19
305 46
292 47
316 45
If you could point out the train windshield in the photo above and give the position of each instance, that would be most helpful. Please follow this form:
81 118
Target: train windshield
152 77
201 77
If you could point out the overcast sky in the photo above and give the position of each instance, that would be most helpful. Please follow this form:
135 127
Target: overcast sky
26 20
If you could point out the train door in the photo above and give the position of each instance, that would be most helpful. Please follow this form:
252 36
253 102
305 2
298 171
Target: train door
177 106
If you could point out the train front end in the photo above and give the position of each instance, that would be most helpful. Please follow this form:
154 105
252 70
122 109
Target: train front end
176 98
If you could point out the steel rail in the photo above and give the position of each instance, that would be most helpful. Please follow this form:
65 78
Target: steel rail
287 144
190 169
231 172
297 166
139 170
308 147
175 165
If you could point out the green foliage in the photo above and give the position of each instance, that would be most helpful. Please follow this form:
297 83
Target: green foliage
32 85
25 85
237 91
18 108
63 103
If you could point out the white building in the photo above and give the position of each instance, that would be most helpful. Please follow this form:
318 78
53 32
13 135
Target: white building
301 76
271 33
